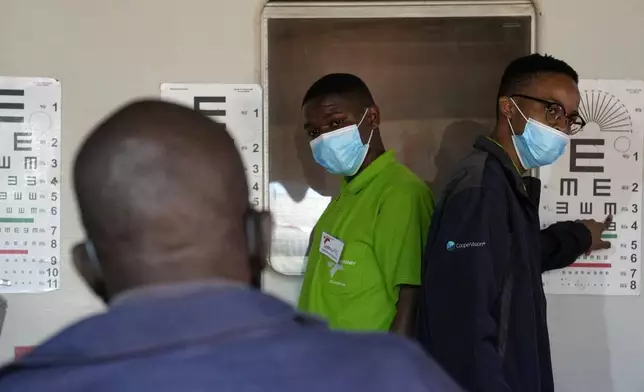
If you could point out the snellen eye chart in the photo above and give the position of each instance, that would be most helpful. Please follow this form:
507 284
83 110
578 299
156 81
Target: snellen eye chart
601 174
30 132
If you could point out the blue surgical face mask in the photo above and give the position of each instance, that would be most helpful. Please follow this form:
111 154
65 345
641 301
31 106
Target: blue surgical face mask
341 151
538 145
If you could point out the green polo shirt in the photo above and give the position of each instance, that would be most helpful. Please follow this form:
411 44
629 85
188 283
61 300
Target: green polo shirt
382 216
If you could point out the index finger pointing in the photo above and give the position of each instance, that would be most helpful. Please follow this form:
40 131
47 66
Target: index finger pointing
608 221
604 245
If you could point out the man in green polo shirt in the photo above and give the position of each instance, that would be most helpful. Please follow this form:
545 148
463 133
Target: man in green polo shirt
363 268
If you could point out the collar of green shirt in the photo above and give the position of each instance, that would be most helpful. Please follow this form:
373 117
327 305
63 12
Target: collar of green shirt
370 172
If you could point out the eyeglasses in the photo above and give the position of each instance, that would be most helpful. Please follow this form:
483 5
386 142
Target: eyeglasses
556 113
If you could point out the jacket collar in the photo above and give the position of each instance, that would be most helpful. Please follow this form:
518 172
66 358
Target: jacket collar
155 323
528 187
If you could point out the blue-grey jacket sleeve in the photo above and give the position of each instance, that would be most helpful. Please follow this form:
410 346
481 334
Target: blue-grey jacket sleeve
562 243
468 252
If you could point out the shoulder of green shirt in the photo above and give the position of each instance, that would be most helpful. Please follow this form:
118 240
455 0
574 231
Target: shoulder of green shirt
401 180
405 211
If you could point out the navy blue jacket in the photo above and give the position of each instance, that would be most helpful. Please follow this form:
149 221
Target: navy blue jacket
219 339
482 309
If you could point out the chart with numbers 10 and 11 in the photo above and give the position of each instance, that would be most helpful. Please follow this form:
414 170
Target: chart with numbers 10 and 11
601 174
30 133
239 106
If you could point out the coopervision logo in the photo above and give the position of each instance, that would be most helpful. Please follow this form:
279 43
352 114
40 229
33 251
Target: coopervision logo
451 245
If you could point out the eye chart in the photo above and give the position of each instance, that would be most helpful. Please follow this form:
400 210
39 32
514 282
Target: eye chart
601 174
239 106
29 184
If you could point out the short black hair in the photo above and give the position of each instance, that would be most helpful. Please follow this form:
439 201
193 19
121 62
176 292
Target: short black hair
523 70
340 84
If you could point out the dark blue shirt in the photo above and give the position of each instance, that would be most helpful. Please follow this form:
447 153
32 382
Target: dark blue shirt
218 338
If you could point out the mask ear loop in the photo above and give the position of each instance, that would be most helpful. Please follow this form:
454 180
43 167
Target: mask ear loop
370 135
514 134
519 109
363 116
511 127
360 123
521 112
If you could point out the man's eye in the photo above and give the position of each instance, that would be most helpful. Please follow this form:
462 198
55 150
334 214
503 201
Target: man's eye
554 112
337 123
314 133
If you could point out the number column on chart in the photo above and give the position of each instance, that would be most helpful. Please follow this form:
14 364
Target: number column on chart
30 175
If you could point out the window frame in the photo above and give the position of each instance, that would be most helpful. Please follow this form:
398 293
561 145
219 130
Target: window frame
376 9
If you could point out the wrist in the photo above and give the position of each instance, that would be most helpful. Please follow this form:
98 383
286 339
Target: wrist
584 235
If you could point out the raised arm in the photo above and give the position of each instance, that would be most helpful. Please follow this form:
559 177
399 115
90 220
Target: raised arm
563 242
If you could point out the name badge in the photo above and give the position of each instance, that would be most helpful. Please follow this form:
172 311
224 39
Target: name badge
331 247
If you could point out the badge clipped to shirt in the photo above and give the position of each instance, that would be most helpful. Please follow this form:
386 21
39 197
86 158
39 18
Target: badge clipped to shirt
331 247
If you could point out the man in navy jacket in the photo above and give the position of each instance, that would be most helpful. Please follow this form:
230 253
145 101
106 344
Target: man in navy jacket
483 309
176 251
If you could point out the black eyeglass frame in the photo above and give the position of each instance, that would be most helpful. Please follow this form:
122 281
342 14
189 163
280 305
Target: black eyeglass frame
574 125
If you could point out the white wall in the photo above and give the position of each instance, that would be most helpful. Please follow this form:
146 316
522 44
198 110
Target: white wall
107 52
104 53
597 342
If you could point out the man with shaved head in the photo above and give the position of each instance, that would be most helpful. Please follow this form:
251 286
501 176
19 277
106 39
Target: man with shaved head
175 250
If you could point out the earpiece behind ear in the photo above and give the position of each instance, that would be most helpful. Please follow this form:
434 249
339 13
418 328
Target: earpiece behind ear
258 233
252 238
266 231
92 258
88 266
